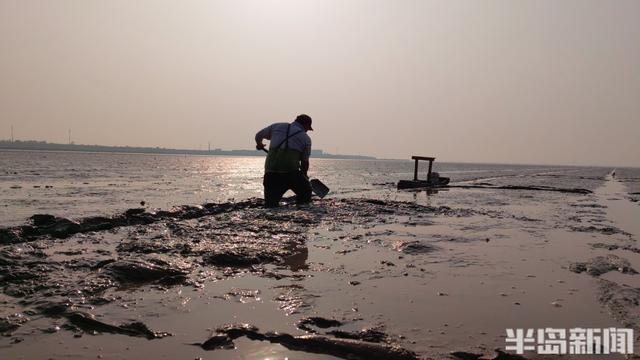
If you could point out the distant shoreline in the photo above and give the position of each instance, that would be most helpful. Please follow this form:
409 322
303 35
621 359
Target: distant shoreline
45 146
32 145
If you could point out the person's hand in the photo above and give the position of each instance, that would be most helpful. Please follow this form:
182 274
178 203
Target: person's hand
260 146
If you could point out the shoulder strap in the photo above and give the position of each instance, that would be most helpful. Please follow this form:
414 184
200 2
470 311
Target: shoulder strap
287 138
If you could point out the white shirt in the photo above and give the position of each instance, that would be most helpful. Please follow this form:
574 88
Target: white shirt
277 133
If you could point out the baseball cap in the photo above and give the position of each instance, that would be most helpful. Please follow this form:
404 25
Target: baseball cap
305 120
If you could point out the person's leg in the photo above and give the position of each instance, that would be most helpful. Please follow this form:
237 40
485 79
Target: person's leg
274 187
301 187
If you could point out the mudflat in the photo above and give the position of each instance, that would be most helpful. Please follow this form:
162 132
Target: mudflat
379 275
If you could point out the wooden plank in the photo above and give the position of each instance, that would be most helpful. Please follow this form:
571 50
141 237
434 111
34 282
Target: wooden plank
423 158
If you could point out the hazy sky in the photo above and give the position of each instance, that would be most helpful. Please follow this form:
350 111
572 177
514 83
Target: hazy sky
491 81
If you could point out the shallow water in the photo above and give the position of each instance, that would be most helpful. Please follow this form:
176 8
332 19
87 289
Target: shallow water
74 184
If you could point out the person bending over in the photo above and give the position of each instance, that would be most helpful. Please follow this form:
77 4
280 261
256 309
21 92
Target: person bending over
287 163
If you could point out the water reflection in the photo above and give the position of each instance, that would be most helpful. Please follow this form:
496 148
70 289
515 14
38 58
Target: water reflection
83 184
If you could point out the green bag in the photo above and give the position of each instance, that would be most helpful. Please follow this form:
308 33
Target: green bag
283 160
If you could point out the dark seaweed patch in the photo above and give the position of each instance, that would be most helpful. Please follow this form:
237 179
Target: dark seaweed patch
605 230
603 264
315 321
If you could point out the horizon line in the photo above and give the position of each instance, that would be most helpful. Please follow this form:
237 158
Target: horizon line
251 153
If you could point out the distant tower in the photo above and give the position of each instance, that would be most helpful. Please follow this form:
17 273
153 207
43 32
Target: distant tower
209 146
11 133
69 136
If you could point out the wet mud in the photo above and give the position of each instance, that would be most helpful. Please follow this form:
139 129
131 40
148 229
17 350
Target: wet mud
12 322
602 265
368 278
605 230
368 335
53 226
87 322
518 187
309 323
168 251
147 270
629 177
611 247
318 344
499 355
56 267
622 302
615 269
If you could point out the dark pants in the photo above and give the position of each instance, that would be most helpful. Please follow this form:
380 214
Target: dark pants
276 184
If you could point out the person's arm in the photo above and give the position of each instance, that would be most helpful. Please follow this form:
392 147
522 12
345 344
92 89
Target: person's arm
261 135
304 162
